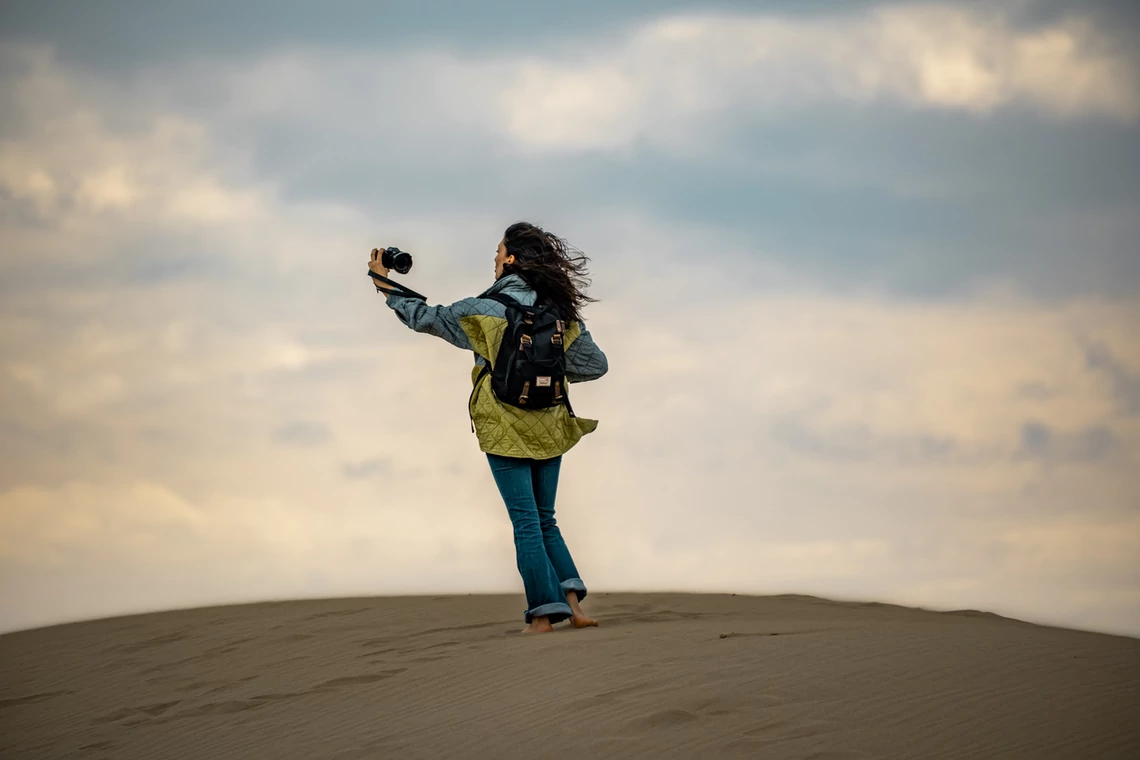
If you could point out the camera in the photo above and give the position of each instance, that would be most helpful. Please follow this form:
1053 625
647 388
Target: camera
394 258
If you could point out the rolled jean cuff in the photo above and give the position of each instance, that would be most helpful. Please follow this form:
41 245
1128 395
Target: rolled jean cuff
556 611
575 585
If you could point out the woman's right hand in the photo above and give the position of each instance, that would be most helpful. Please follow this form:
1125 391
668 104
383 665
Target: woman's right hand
374 264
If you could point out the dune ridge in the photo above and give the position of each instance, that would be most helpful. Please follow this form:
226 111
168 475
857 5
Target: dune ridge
667 675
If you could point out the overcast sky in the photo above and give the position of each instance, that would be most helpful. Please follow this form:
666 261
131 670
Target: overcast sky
869 279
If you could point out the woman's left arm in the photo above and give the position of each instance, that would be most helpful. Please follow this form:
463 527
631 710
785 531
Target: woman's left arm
584 360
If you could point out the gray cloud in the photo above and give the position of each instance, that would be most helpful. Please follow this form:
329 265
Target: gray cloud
367 468
1122 18
1036 440
922 203
915 202
100 38
1125 382
303 434
985 216
1037 391
1094 443
861 443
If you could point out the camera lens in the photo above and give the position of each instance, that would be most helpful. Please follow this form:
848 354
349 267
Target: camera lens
394 258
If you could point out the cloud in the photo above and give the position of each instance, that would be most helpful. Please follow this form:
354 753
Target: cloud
921 56
860 443
853 183
74 165
1125 381
1093 443
668 80
367 468
303 434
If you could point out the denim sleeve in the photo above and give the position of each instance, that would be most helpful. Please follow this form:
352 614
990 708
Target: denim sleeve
584 360
440 321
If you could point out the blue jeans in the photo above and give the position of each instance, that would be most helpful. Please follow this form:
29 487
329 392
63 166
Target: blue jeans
528 487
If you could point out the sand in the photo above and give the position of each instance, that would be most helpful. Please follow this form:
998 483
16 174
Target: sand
667 675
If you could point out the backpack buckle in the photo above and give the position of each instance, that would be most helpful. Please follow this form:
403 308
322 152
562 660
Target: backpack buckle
556 339
525 340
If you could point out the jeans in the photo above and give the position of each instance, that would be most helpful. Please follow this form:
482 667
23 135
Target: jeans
528 487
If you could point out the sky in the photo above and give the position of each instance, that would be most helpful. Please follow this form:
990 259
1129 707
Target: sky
867 278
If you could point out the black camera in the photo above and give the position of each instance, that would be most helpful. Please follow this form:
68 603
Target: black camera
394 258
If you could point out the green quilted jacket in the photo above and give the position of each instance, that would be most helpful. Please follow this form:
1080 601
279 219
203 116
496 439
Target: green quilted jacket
477 324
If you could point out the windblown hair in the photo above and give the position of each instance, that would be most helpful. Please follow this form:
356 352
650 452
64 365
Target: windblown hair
549 265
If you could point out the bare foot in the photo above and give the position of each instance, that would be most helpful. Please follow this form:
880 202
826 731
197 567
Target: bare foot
578 618
539 625
581 621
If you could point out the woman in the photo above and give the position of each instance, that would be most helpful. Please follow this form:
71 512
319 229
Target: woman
524 446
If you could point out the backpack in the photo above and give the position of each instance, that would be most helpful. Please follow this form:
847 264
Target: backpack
530 368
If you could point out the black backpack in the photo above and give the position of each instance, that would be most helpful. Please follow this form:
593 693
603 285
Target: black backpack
530 369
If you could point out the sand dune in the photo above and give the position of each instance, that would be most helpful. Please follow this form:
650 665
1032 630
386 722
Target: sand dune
668 675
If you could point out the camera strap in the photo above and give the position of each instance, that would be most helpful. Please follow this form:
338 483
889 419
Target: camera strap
397 288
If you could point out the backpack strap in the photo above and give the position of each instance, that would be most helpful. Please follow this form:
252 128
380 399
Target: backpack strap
504 299
566 399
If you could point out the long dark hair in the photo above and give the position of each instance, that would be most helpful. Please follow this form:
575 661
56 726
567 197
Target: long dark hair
550 266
